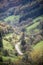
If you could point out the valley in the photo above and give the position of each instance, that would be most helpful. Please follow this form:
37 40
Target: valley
12 41
21 32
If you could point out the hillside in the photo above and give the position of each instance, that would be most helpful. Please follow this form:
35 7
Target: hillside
35 27
12 18
37 51
24 8
21 32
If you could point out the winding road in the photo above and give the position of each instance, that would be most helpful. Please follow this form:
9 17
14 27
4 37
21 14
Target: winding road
17 47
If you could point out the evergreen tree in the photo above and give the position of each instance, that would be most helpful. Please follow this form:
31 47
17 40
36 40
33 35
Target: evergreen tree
23 42
1 46
41 27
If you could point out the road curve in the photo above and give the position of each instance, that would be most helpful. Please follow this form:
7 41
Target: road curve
17 47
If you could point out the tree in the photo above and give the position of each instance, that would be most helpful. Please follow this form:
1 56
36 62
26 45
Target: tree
5 53
27 59
1 46
31 40
41 25
16 54
23 42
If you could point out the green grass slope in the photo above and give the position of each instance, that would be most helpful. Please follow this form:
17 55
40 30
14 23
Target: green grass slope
37 52
12 18
34 26
7 45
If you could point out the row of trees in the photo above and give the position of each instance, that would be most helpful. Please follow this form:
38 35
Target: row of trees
41 27
1 47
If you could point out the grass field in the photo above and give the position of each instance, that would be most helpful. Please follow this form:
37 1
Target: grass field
34 25
37 52
12 18
12 59
8 35
7 45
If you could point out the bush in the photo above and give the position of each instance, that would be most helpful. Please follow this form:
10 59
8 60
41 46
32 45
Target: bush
5 53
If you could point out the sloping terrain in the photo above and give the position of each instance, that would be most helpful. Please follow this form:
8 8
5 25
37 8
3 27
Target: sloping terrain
24 8
35 27
37 52
20 22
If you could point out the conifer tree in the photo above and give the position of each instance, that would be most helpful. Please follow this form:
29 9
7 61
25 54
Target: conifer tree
23 42
1 47
41 27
